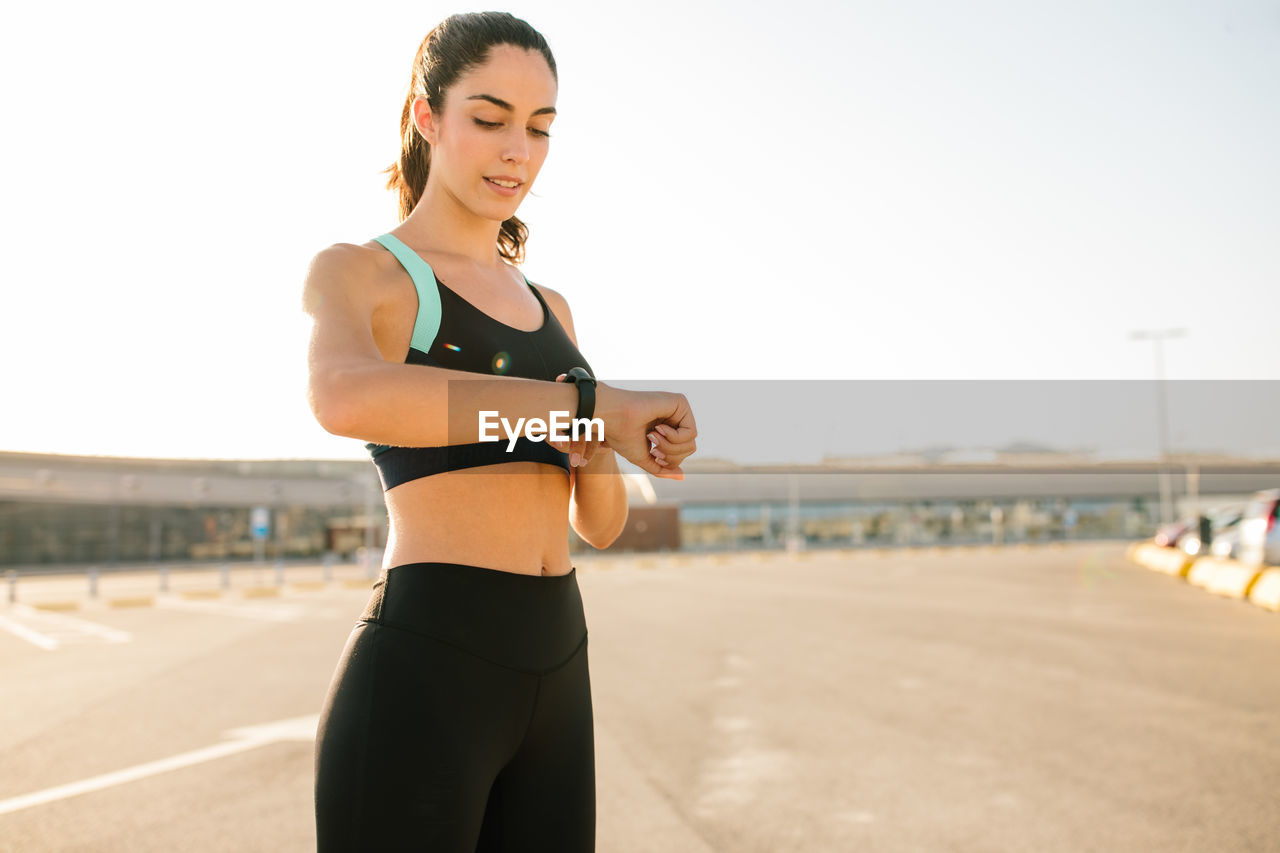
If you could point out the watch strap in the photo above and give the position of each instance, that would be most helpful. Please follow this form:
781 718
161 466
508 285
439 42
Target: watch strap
586 392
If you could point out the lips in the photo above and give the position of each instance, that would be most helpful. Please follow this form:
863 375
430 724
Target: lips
504 181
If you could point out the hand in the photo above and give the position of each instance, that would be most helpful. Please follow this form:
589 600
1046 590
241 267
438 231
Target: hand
652 429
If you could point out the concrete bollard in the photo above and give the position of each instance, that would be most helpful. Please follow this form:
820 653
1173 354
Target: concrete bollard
12 574
279 572
164 578
329 558
93 581
225 571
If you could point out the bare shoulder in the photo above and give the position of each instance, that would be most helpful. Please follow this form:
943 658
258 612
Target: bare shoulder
560 307
345 271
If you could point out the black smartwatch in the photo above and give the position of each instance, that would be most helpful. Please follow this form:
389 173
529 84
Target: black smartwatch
586 392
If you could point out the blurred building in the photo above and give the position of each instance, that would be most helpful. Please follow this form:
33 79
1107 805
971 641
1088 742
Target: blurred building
74 510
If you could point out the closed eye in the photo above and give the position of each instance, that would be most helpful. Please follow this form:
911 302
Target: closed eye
491 124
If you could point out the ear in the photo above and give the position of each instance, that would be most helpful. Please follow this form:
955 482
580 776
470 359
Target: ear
424 119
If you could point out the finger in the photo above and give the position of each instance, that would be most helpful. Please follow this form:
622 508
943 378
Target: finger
680 425
686 445
676 461
585 449
562 446
671 473
649 465
668 448
662 448
658 444
676 435
653 465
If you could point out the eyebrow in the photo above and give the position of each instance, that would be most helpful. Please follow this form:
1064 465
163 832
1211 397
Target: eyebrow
498 102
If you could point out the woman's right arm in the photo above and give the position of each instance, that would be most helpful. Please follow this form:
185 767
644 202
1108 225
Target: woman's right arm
354 392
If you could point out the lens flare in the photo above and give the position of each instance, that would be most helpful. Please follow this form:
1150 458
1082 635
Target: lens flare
501 362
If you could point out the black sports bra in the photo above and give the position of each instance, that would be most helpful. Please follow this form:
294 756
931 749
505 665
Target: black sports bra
452 333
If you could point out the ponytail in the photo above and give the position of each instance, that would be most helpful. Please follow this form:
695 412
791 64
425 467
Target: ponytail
454 46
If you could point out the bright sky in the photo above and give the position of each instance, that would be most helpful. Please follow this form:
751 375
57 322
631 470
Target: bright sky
734 191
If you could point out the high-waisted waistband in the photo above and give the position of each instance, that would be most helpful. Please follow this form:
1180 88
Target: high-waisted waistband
532 623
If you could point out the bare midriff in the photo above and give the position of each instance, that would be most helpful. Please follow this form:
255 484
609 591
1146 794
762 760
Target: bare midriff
512 517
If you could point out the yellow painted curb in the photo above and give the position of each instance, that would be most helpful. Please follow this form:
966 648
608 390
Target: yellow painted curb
1201 573
202 593
1231 578
1170 561
59 606
136 601
307 585
358 583
1266 589
261 592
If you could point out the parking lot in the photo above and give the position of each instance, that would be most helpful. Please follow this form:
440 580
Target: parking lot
1043 698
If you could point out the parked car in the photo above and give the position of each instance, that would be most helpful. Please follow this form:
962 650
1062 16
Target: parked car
1168 535
1218 524
1227 543
1259 533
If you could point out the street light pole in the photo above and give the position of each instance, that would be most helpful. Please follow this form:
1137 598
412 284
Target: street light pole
1158 337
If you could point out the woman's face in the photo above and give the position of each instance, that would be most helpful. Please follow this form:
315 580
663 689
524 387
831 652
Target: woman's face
493 131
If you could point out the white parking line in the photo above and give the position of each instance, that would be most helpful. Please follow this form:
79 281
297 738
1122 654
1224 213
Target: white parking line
51 631
282 612
20 630
250 737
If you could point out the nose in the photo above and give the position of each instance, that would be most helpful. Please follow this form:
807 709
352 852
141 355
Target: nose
517 147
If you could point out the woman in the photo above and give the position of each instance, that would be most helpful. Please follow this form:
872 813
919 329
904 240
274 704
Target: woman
459 717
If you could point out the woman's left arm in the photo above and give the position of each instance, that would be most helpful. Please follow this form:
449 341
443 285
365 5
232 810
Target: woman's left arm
598 500
597 497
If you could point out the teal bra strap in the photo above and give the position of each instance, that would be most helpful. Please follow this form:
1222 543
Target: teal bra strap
427 325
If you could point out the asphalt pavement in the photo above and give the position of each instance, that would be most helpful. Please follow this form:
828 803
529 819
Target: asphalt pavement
1045 698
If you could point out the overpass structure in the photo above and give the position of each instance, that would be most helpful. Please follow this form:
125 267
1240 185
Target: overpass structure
50 478
75 509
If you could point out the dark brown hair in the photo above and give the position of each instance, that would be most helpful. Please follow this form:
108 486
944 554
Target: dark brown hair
456 45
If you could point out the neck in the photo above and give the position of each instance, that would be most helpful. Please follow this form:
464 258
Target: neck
440 223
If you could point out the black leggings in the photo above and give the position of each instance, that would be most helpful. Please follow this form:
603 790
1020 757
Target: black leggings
459 718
